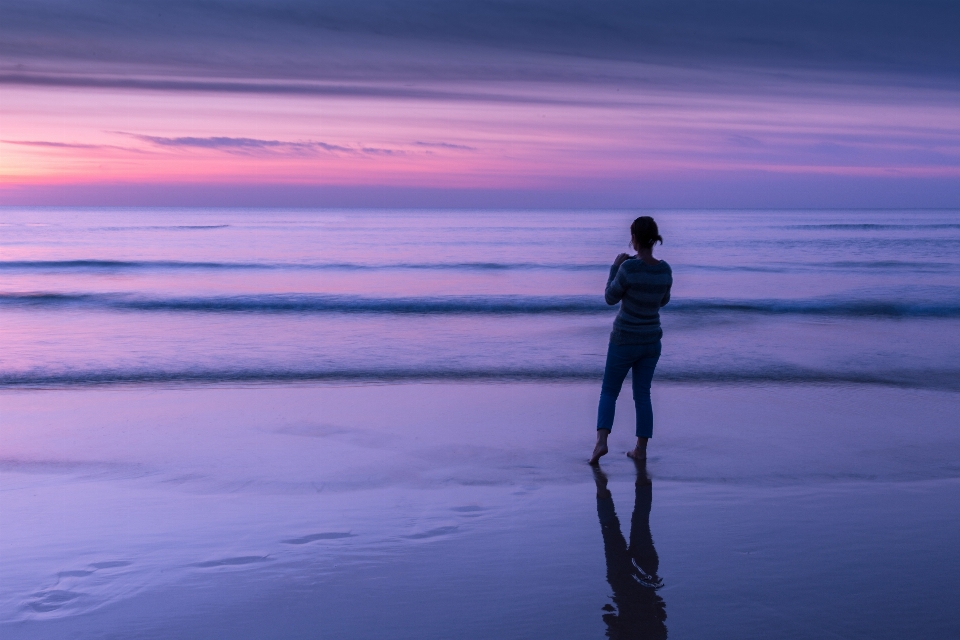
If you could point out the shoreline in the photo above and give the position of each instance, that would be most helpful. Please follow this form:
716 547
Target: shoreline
161 382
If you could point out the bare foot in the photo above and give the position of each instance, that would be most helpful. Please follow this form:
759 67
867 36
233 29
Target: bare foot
638 454
598 452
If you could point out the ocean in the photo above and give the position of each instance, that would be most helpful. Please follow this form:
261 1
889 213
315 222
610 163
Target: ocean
288 424
260 296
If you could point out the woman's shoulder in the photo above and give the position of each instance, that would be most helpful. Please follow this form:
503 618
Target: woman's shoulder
639 264
661 273
638 269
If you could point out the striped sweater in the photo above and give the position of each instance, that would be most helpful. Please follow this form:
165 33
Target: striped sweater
641 290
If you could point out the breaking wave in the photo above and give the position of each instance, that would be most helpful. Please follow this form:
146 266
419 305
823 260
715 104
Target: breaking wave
145 265
943 379
491 305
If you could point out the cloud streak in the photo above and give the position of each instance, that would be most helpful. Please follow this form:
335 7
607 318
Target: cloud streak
238 144
445 145
438 40
59 145
243 145
205 85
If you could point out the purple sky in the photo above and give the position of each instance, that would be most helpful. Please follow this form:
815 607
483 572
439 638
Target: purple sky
480 103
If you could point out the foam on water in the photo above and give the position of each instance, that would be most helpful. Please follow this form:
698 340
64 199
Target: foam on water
513 305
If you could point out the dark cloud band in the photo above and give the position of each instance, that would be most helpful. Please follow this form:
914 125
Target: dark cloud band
280 88
471 39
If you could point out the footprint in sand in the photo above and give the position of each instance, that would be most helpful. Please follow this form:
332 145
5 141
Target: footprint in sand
96 566
433 533
80 573
230 562
52 599
318 536
49 600
113 564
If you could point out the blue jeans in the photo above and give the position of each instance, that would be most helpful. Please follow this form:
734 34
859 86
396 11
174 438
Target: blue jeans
642 358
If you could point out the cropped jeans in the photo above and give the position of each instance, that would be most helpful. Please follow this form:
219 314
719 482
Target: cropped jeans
621 358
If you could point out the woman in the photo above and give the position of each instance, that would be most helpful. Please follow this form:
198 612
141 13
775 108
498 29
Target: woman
641 284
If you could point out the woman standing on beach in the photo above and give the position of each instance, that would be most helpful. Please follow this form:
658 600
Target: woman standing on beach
641 284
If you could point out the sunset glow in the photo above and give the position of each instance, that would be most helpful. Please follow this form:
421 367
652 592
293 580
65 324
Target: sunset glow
400 112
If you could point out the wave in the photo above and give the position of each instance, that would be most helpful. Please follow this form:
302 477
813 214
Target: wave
887 264
132 265
487 305
874 226
116 265
95 265
840 265
164 227
822 307
914 379
315 303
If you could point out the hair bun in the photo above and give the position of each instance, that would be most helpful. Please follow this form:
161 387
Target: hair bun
645 233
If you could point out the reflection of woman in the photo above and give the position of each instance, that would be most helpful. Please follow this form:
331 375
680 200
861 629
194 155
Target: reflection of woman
639 612
641 284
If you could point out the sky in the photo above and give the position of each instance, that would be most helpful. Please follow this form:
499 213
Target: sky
480 103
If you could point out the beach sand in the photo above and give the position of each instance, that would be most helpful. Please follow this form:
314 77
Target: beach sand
468 511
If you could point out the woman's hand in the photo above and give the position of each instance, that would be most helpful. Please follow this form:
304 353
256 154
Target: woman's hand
623 257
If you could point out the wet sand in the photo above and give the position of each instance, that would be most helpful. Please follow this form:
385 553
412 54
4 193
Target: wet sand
468 510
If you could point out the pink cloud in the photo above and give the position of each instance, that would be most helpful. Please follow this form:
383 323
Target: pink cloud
596 135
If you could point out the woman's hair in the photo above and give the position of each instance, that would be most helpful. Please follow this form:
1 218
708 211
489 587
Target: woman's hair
644 233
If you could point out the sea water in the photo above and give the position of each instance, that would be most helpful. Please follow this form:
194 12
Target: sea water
126 296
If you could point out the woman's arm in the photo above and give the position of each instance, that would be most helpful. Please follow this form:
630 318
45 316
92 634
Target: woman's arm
666 296
616 286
